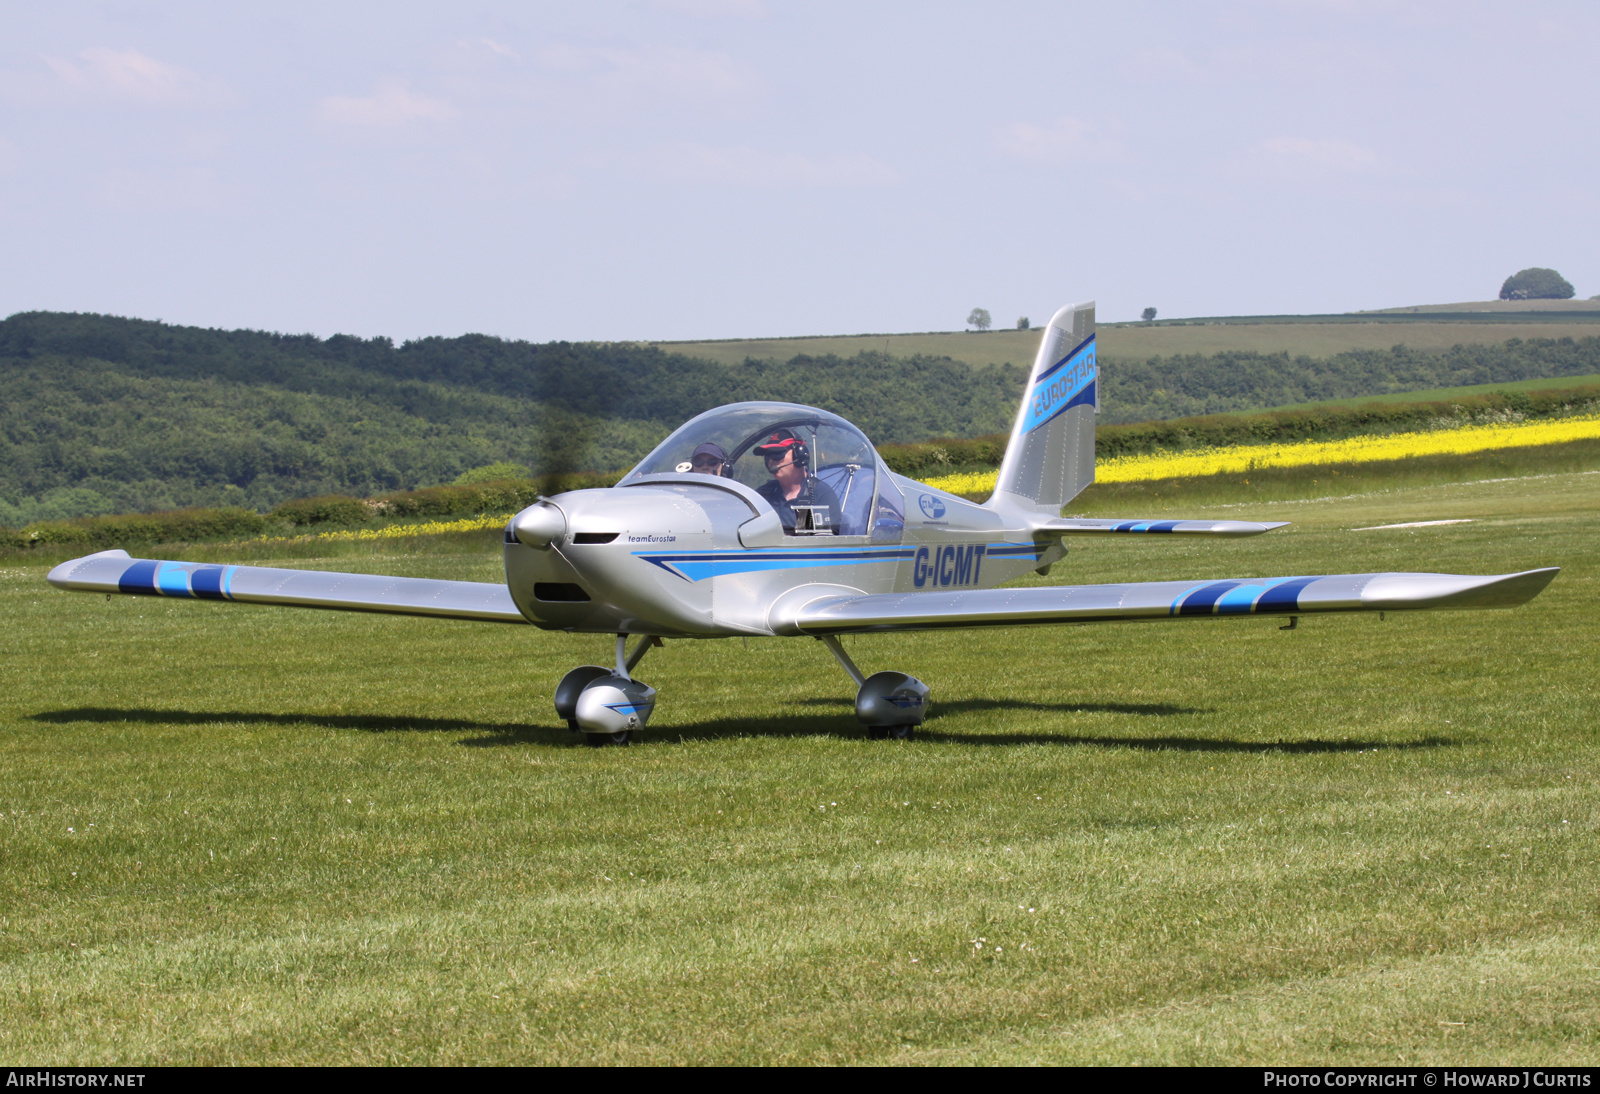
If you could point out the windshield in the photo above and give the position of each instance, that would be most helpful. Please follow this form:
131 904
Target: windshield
835 453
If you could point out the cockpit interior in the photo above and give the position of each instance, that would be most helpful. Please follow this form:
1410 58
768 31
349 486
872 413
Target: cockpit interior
837 454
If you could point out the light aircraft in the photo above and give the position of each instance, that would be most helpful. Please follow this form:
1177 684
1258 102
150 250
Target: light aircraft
800 529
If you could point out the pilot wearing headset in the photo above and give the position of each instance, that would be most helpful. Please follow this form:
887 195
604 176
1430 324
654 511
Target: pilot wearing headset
708 459
789 462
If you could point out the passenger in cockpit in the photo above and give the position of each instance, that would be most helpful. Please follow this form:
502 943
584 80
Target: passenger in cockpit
708 459
788 461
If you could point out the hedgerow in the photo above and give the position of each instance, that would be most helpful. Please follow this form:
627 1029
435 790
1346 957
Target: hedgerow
104 533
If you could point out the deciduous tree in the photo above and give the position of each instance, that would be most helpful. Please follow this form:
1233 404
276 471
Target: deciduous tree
1536 283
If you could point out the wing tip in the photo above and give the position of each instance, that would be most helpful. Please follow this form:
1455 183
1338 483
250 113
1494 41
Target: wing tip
1511 590
1496 591
60 575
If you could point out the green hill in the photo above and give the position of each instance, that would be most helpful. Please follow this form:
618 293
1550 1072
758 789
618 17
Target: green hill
117 415
107 415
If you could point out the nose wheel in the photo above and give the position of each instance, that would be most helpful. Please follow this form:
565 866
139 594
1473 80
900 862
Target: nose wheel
607 705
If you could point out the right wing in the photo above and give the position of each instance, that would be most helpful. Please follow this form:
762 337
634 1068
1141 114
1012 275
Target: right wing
1079 526
115 572
1152 600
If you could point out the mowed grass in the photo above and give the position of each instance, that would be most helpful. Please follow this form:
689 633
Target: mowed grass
1138 341
251 835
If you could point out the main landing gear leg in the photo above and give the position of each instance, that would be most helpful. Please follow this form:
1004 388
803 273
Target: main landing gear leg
638 653
607 705
889 704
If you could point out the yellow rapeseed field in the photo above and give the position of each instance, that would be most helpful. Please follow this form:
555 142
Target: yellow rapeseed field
1196 462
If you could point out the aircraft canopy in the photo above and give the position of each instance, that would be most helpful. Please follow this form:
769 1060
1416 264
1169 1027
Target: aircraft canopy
837 453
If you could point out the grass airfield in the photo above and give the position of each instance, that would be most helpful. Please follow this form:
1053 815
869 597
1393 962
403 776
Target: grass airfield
251 835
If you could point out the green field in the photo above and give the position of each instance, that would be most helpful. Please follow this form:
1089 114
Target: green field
1138 341
254 835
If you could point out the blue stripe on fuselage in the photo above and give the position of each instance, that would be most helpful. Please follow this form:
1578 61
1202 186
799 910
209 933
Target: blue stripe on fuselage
701 565
1032 551
946 564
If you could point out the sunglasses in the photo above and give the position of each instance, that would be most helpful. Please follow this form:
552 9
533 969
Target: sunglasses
706 461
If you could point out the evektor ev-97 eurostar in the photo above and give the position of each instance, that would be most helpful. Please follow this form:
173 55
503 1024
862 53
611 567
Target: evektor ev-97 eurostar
796 527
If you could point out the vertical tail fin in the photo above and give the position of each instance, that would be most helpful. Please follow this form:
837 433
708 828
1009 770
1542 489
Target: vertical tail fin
1050 458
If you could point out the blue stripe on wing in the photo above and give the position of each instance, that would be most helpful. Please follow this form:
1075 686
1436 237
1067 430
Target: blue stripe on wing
139 579
1242 597
1146 526
151 577
172 579
206 583
1283 595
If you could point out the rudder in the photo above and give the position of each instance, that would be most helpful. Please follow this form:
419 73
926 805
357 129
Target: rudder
1050 457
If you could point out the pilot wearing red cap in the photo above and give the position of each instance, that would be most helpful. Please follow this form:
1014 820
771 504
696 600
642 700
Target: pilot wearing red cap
789 463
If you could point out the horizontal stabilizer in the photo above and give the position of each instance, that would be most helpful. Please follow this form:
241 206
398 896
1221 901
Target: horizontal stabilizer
116 572
1073 526
1155 600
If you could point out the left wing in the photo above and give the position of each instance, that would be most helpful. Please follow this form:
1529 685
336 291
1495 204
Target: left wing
1151 600
116 572
1077 526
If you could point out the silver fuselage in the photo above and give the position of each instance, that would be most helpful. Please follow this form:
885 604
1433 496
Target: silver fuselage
697 556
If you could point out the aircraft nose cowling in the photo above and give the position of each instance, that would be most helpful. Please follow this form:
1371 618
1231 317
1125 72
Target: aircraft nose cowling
539 524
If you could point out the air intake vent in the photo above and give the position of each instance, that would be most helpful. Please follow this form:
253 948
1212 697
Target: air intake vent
559 591
594 537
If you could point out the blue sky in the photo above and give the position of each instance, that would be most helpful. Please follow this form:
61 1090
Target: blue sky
730 168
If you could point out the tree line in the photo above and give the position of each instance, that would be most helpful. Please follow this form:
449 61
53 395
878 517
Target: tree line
109 415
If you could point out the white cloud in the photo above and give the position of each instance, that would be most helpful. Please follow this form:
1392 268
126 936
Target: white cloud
745 166
1069 140
1328 154
130 75
391 106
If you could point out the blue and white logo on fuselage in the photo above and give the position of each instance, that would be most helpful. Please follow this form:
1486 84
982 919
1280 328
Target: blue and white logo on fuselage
932 507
